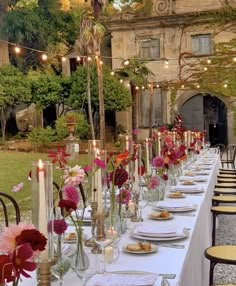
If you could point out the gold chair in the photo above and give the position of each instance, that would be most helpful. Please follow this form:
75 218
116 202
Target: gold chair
5 200
225 254
224 191
216 200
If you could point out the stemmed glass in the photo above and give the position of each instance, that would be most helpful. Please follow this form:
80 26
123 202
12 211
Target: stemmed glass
105 235
141 202
86 274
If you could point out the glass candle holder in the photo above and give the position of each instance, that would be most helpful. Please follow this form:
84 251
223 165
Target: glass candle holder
42 205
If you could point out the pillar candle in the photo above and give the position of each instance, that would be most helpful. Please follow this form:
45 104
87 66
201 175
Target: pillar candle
108 254
42 224
99 186
159 144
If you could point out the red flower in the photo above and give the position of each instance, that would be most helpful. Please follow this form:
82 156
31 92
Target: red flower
59 226
21 260
121 177
6 269
121 157
59 156
35 238
68 205
100 164
141 170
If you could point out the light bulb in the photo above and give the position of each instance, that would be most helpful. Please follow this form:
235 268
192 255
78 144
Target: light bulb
44 57
17 50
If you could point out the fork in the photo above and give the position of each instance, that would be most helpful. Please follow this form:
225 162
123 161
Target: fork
171 245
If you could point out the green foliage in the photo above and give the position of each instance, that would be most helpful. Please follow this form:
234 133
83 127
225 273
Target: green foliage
116 96
14 87
46 88
220 76
40 137
81 128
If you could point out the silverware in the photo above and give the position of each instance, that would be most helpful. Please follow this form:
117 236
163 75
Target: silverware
184 214
165 282
167 275
172 245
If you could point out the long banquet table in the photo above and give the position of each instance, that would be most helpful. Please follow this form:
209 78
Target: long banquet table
189 264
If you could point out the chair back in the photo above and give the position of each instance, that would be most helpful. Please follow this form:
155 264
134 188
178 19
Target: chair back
230 153
221 147
7 202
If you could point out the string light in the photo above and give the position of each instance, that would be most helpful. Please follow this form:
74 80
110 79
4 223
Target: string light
182 86
198 86
121 80
17 50
126 62
89 59
101 62
157 86
128 84
63 59
166 63
44 57
137 87
112 73
143 87
234 59
205 68
209 61
78 58
225 85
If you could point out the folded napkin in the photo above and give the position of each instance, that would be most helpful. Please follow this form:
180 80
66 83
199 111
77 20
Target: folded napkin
159 230
87 213
195 178
186 188
171 204
112 279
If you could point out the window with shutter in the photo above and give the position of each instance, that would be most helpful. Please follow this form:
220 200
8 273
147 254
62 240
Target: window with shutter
201 44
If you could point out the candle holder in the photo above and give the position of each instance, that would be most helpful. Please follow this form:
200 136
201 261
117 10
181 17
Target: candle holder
44 272
136 217
42 206
100 230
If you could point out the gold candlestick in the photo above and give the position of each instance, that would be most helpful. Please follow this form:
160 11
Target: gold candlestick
135 217
100 233
44 272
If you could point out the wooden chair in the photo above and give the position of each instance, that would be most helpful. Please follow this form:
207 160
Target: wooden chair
221 147
216 200
6 201
220 210
224 191
230 152
225 254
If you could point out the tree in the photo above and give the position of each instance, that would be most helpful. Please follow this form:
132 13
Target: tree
137 74
47 89
116 95
14 90
4 54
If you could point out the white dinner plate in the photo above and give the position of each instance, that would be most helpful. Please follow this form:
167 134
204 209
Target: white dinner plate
176 210
180 236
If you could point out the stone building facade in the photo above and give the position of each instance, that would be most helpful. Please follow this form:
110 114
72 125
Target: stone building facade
175 28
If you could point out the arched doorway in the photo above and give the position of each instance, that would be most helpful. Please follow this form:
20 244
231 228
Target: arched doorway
206 112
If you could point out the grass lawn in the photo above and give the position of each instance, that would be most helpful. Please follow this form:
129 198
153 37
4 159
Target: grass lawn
14 168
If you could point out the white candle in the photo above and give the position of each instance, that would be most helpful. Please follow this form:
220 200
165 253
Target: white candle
111 233
108 254
136 175
158 143
174 137
147 156
42 226
98 181
127 143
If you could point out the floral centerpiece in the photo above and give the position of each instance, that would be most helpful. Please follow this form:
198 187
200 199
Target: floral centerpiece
20 246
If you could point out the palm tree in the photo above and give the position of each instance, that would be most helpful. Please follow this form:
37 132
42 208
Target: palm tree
91 34
4 52
137 74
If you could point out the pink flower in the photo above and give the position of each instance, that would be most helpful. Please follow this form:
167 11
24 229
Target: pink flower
71 194
168 140
124 196
17 187
154 183
74 176
136 131
59 226
87 169
100 164
9 234
158 162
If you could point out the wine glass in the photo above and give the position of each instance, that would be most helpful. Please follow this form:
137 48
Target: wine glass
141 202
106 234
86 273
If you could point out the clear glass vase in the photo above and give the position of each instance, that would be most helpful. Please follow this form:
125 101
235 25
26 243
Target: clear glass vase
80 261
62 265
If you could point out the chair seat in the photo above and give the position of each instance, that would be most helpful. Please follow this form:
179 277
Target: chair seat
226 176
222 254
226 185
227 170
226 180
225 191
224 210
224 199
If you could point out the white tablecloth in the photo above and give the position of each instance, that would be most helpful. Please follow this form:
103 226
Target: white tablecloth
189 264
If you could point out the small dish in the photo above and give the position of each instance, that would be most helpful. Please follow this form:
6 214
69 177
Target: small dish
156 217
188 183
177 195
153 249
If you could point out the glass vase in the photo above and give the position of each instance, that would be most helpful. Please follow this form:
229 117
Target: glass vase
80 260
62 265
